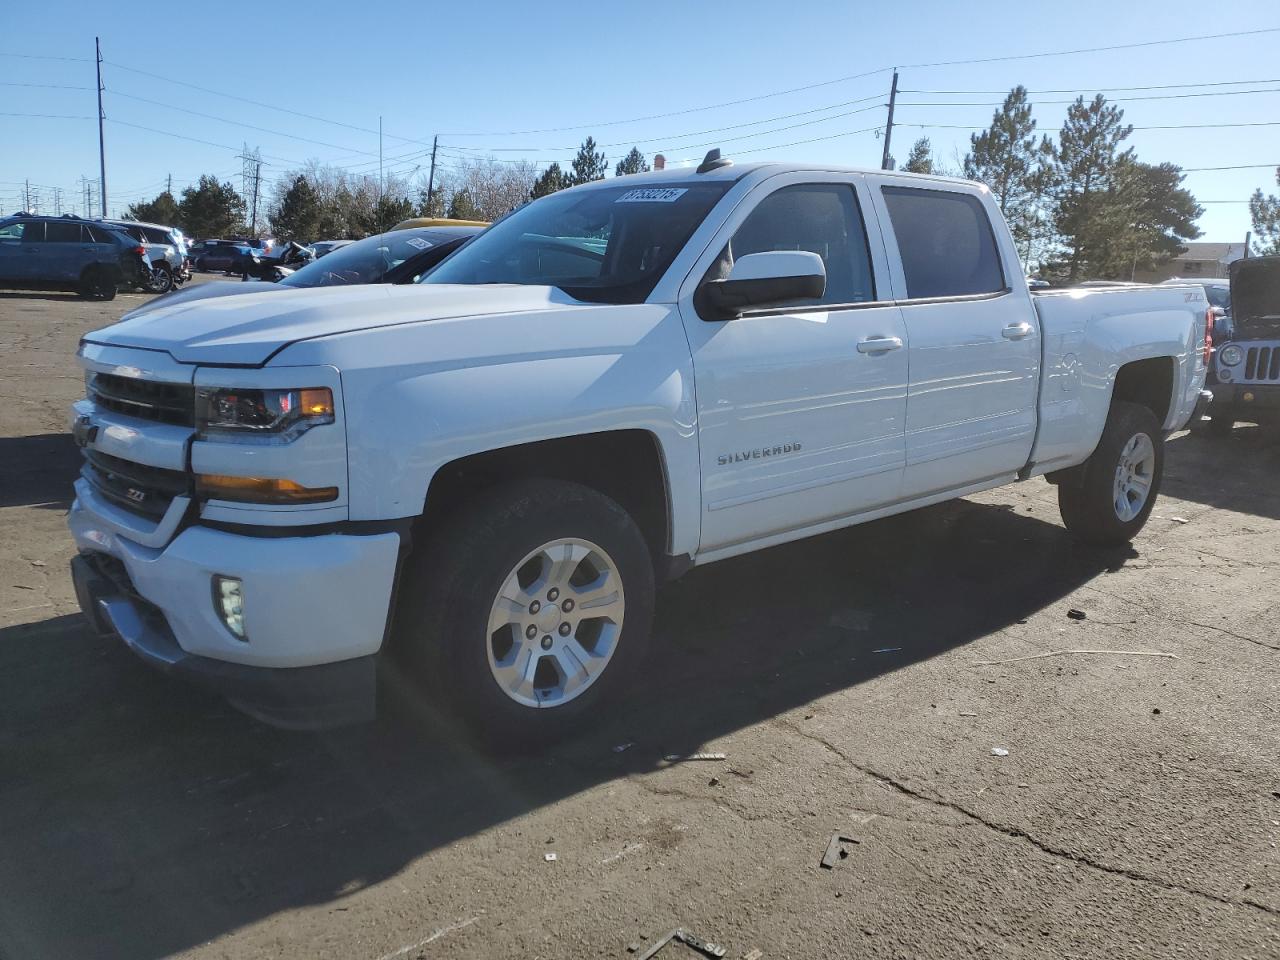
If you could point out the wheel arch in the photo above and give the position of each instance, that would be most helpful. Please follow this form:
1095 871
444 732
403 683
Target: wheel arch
627 465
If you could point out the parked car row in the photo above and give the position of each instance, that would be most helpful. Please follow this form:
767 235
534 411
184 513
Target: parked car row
92 257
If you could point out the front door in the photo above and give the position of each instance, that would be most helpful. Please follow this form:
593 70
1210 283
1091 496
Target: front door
801 409
975 344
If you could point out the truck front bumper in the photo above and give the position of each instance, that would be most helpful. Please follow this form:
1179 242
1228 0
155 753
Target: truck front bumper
315 610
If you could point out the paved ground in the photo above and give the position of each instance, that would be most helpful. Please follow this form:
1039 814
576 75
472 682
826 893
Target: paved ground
1137 812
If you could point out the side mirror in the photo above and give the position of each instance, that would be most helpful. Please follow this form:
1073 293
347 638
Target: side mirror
1218 312
760 280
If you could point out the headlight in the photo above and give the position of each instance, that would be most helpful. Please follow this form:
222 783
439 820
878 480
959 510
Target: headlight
270 416
1230 356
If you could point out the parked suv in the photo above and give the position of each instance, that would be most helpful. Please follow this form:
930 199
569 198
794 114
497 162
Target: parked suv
68 253
1246 364
166 248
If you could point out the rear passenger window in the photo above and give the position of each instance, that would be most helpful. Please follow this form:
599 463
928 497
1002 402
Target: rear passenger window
61 231
946 243
820 218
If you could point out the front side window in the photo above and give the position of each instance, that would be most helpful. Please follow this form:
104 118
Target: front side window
945 241
34 232
604 245
821 218
11 231
62 231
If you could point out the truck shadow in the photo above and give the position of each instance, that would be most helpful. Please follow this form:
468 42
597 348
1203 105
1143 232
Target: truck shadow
1225 472
140 818
38 470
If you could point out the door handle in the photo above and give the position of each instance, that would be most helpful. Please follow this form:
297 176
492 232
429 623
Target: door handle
879 344
1016 331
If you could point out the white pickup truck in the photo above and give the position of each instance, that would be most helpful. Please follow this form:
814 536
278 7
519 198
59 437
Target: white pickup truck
483 476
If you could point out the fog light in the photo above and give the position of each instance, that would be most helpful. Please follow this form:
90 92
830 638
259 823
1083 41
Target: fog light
228 599
1248 396
1224 373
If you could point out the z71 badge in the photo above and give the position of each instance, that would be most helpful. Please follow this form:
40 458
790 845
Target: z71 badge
760 453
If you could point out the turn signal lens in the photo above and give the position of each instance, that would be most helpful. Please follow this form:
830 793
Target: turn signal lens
215 486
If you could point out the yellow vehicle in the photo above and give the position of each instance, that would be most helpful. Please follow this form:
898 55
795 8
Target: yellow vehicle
438 222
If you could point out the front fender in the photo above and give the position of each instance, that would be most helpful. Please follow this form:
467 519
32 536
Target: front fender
422 395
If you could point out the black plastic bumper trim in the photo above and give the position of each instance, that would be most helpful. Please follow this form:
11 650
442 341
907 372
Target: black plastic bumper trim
296 698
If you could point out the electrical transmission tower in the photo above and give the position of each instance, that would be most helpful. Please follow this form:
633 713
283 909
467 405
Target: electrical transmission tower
251 182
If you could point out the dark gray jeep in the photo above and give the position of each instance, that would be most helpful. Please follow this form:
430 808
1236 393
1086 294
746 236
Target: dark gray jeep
1247 358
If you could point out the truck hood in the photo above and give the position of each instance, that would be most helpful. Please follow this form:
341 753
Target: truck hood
246 330
202 291
1255 298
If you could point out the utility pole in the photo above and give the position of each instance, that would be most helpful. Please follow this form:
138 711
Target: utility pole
26 197
381 181
57 201
169 186
886 160
102 150
431 177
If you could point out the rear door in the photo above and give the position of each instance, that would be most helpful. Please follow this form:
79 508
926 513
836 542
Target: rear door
801 409
30 265
65 251
974 339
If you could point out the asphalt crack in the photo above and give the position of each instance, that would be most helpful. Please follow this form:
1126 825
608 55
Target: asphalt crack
1018 833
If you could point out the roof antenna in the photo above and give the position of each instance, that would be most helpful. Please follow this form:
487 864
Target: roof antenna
712 161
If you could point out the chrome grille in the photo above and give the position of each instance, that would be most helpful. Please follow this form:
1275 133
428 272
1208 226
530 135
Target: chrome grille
145 399
146 491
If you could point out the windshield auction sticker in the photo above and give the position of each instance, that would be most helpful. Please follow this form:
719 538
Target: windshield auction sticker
653 195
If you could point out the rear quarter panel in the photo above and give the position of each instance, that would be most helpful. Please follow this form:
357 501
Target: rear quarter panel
1088 336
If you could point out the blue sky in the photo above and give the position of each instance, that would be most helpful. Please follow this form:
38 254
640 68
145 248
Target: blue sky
476 73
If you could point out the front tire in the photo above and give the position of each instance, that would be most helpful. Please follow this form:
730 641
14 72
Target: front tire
1117 489
529 611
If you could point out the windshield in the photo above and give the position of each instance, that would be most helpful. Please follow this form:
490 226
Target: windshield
365 261
607 245
1219 297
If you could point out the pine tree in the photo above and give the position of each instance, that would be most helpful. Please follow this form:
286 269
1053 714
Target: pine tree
298 215
633 162
211 209
921 158
1085 162
552 180
462 207
588 165
1148 216
1017 169
1264 210
162 210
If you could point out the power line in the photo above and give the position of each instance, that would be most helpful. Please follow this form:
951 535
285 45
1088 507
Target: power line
259 103
38 56
238 123
208 143
47 116
699 133
1169 126
1242 166
1069 53
1042 103
1161 86
43 86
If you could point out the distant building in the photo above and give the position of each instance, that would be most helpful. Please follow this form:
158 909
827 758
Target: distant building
1207 260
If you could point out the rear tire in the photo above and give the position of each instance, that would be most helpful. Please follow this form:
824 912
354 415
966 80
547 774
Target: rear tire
529 611
161 280
97 284
1117 488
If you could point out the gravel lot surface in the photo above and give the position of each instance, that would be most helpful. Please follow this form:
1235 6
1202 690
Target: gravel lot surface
848 680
